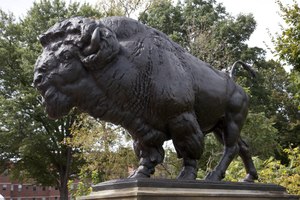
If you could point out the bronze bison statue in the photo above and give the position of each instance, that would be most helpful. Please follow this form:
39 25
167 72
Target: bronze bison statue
122 71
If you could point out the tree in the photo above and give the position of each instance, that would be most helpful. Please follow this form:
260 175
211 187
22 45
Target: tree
10 65
52 149
166 17
272 171
286 45
206 30
288 50
106 150
35 145
128 8
271 94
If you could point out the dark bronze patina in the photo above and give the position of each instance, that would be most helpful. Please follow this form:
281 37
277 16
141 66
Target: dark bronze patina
121 71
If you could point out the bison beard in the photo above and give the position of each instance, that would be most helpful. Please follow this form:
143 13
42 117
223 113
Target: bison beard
122 71
57 104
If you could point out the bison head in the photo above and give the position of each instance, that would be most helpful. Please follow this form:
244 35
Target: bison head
72 50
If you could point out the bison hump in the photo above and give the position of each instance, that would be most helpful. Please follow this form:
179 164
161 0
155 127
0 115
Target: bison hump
124 27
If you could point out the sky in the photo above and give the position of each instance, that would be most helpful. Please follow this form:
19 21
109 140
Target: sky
266 14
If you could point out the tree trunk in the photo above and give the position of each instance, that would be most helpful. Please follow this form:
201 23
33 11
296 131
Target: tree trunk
64 192
64 175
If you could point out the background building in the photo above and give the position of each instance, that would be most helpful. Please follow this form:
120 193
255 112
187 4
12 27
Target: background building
13 190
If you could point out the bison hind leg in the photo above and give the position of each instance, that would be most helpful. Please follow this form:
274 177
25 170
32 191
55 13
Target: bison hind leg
228 133
244 153
248 162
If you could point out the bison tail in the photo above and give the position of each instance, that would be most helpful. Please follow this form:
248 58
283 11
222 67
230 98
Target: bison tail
247 67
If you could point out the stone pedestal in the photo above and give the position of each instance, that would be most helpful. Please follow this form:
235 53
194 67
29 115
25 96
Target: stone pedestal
161 189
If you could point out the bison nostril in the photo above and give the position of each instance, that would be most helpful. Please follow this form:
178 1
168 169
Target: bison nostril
37 80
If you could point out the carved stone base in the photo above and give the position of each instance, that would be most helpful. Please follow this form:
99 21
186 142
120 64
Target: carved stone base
162 189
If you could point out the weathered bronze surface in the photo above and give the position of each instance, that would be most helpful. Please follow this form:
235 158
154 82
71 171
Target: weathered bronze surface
121 71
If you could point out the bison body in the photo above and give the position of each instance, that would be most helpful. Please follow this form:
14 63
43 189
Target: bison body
121 71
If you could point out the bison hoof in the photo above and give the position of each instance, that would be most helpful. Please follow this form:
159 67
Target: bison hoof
250 178
188 173
213 176
138 175
142 172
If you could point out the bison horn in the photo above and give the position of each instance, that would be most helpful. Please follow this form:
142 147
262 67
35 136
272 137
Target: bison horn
94 44
103 48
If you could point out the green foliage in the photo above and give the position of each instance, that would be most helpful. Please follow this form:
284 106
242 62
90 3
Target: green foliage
261 135
258 132
286 46
104 147
45 14
171 166
295 87
33 143
213 150
286 43
272 171
80 188
126 8
271 92
167 18
205 29
95 151
10 55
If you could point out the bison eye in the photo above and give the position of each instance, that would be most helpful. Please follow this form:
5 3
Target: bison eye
67 55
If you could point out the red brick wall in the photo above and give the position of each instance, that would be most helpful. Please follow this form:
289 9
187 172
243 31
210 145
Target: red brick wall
12 190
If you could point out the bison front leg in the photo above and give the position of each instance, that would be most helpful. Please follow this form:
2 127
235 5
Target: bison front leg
188 142
150 152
